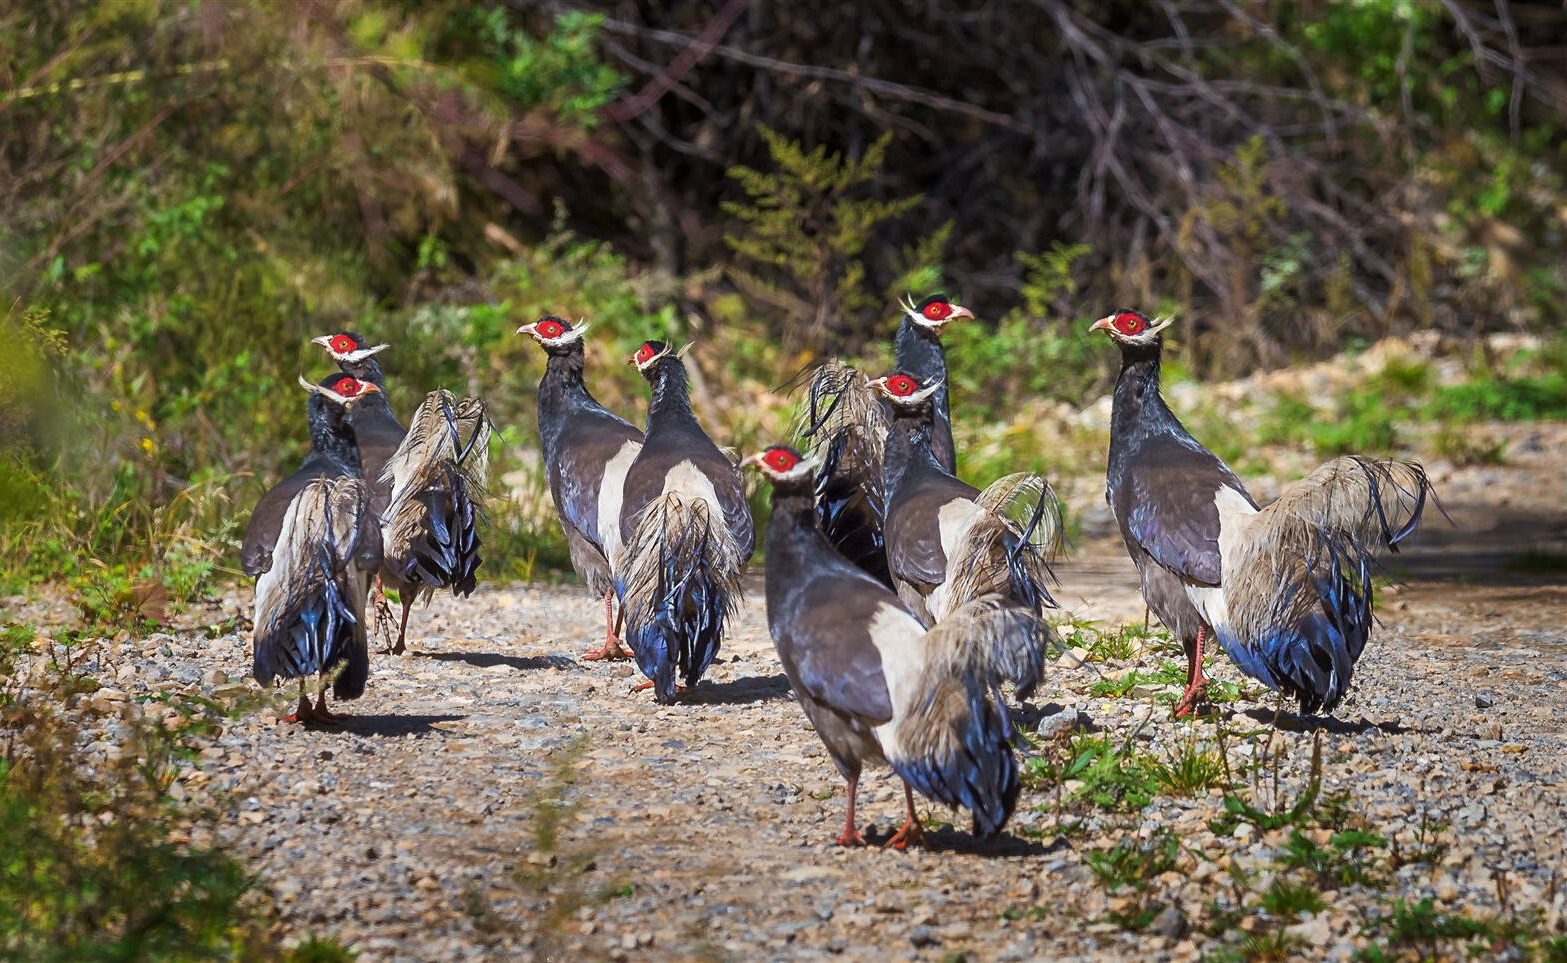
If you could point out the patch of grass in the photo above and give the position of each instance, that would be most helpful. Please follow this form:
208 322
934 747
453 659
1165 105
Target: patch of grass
1262 801
1493 398
1135 862
1193 766
1418 931
1118 644
1349 857
1288 899
1115 775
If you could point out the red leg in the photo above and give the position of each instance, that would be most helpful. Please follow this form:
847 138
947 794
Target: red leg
305 712
402 626
649 684
911 832
611 649
1196 683
322 713
851 836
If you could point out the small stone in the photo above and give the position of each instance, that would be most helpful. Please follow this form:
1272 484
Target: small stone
923 936
1170 922
1483 701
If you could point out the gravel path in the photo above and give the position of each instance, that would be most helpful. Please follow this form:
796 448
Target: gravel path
492 797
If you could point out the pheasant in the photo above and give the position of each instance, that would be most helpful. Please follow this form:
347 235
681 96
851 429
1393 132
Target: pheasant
1285 589
847 423
688 535
427 481
949 543
876 684
587 452
313 542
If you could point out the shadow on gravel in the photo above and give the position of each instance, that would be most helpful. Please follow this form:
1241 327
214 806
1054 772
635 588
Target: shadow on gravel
390 725
750 689
489 660
947 839
1289 722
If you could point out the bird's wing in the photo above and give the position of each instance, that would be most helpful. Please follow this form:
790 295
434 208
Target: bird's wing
827 640
1167 503
916 541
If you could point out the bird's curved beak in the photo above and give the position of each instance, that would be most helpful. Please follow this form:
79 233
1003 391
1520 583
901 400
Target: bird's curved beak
877 384
528 328
1103 324
958 311
750 461
324 341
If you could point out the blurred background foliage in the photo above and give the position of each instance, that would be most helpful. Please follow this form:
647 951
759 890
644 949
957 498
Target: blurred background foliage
190 189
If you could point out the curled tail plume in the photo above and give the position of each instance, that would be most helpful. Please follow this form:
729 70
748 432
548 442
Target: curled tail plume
1299 583
438 494
680 583
954 743
1008 550
845 425
310 605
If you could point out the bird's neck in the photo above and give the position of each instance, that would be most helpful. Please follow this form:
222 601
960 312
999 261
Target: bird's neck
908 445
332 436
560 390
671 404
918 351
1137 403
794 523
365 369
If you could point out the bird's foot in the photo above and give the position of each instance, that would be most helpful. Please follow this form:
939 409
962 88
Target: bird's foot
850 837
649 684
608 652
304 713
397 649
1191 698
911 833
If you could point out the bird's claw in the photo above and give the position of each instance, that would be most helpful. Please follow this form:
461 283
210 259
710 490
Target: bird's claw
911 833
850 837
608 652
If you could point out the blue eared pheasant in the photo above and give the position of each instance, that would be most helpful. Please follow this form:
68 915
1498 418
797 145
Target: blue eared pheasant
313 543
949 543
876 684
1286 589
687 532
587 452
427 482
375 426
847 424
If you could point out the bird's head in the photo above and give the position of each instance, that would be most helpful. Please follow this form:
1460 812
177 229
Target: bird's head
341 389
553 332
1131 329
348 346
935 312
780 464
902 390
648 355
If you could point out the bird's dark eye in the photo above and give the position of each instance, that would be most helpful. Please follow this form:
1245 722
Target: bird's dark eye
902 385
551 329
342 344
1129 323
780 459
938 310
347 387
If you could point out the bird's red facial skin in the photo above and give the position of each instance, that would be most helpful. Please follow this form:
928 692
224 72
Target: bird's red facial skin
645 353
343 344
550 329
779 459
346 386
938 311
1129 324
902 386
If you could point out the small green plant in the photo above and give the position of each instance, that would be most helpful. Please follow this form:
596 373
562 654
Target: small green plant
1193 766
1115 775
1348 857
1135 862
1288 899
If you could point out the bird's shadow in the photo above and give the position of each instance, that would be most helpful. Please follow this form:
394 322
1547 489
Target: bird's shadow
1291 722
754 688
489 660
389 725
946 838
